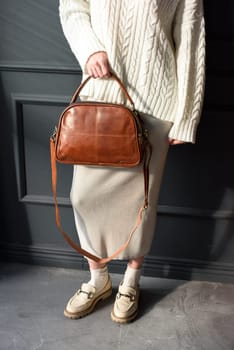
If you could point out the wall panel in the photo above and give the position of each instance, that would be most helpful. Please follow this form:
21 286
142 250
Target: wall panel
38 74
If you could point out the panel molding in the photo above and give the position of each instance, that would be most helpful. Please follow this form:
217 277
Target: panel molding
163 267
45 200
18 101
31 67
195 212
38 99
163 210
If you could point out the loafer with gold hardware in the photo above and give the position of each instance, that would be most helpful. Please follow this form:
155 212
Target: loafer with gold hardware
126 304
85 300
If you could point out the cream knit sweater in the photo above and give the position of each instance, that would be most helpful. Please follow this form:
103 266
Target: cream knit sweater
157 47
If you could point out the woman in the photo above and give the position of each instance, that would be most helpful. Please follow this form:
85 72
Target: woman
157 48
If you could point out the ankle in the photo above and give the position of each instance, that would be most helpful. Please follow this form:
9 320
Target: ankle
95 265
132 277
99 278
136 263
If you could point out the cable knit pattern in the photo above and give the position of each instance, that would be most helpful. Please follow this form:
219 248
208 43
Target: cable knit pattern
157 47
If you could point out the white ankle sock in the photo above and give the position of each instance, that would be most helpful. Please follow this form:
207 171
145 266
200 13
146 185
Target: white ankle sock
99 278
131 277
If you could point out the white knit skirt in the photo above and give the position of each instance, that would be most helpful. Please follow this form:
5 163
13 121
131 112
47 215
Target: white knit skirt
106 201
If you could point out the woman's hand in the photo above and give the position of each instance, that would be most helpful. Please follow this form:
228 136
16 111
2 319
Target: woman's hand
98 65
175 142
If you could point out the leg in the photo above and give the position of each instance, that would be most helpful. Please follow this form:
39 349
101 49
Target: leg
133 272
99 275
126 303
94 265
136 263
85 299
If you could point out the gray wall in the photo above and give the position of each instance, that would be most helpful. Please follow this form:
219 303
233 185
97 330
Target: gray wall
194 237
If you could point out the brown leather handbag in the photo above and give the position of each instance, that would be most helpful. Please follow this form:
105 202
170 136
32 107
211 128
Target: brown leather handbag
100 134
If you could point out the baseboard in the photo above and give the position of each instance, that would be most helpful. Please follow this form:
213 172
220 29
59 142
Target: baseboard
186 269
153 266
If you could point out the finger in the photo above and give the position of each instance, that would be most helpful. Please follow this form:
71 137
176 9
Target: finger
93 72
90 72
98 70
170 141
102 69
105 68
94 69
178 142
175 142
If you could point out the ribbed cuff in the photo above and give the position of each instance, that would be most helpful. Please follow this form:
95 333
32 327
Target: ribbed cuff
184 131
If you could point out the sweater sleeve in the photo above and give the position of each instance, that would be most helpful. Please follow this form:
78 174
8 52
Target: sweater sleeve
189 40
77 28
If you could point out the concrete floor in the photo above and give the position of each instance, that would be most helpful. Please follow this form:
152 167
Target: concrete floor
174 315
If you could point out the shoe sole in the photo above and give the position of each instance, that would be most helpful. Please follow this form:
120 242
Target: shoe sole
123 319
83 313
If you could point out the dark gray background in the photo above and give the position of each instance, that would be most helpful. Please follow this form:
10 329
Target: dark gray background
195 236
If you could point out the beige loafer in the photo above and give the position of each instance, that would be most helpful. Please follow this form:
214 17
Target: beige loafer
126 304
85 300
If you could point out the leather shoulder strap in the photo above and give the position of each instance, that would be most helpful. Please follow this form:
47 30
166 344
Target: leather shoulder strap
58 221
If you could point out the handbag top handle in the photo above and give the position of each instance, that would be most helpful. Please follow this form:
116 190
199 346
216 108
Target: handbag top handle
77 92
